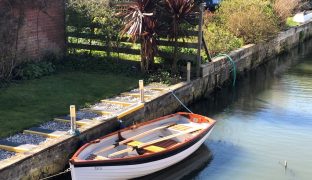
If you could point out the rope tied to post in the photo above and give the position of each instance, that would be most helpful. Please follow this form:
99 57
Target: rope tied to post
180 102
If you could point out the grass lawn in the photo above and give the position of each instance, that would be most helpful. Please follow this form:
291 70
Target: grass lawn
29 103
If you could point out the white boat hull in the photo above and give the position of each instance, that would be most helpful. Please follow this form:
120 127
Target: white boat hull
132 171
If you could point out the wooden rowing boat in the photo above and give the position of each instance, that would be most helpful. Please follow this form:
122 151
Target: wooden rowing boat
142 149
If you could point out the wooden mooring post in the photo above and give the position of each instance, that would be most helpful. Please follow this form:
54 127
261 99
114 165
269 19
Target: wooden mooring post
141 89
73 125
188 72
200 37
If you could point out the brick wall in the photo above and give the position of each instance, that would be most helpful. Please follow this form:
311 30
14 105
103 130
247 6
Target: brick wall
42 30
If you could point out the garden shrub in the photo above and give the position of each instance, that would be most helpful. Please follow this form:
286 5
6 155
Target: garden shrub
220 40
253 20
164 77
93 16
33 70
285 8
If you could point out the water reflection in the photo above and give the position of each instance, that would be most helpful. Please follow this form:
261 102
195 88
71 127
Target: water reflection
189 167
250 85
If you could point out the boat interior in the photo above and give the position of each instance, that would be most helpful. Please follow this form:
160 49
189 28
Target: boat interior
146 139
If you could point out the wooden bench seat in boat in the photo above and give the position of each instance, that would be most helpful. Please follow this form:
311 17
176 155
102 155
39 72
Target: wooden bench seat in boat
160 146
96 157
167 143
151 148
180 127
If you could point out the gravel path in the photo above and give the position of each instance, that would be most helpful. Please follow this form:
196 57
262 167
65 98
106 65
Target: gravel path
106 116
107 106
86 115
83 114
56 126
5 154
146 91
26 139
129 99
157 85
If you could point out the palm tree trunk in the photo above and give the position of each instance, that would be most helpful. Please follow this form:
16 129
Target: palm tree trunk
175 56
143 57
175 51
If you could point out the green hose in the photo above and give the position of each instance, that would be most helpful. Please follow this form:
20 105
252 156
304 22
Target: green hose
233 64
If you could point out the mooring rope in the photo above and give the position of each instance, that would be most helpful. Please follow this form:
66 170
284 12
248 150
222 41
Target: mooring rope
49 177
180 102
233 64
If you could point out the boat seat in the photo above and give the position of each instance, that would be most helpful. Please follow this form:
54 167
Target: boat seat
96 157
167 143
180 127
150 148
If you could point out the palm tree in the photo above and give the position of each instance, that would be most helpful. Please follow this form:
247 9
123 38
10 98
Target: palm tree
179 12
140 23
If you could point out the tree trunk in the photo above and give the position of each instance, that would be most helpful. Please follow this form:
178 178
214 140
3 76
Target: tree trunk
143 58
175 50
175 56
